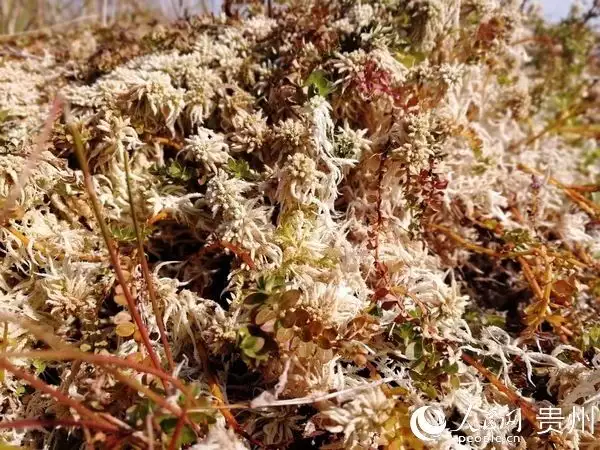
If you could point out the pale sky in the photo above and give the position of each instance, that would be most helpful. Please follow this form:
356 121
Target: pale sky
556 9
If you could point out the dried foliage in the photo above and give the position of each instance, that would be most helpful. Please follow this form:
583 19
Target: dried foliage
293 228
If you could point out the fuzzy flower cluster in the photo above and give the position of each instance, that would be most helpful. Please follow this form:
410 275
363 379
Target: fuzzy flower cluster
294 226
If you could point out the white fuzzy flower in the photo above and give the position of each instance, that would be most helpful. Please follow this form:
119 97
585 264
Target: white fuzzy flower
350 143
417 143
154 91
250 133
299 180
219 438
207 147
224 195
361 419
361 15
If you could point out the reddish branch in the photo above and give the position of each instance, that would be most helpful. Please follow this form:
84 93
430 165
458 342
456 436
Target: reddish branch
30 163
527 408
114 257
146 271
101 360
379 224
63 399
44 423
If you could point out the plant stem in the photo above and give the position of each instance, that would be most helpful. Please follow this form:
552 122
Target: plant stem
43 423
55 393
80 153
588 206
101 360
146 271
527 409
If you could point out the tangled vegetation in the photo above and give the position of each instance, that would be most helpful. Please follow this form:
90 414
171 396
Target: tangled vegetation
294 228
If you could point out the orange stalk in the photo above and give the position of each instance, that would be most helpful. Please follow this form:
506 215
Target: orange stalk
44 423
101 360
146 271
216 391
114 257
527 408
41 386
588 206
32 160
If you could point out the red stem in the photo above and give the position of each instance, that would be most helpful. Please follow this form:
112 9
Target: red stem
42 423
56 394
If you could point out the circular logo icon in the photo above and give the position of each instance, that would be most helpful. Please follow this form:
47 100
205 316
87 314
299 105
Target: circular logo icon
428 423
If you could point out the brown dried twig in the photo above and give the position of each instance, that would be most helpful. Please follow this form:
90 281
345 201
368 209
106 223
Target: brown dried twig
527 408
41 386
146 271
114 257
31 162
585 204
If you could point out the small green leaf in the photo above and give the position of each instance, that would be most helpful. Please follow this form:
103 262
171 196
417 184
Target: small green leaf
519 236
38 365
240 168
252 344
187 435
451 369
140 411
121 233
496 320
414 350
318 84
4 446
4 114
179 172
410 59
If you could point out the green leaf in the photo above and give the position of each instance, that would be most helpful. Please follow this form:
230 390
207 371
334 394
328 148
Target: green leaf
168 424
179 172
139 412
318 84
269 283
4 446
121 233
428 390
4 114
202 418
252 344
38 365
410 59
414 350
416 313
451 369
240 168
498 321
519 236
187 435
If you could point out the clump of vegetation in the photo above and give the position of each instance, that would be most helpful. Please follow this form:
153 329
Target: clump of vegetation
294 225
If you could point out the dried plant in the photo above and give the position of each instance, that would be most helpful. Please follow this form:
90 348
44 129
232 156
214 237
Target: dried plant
295 225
